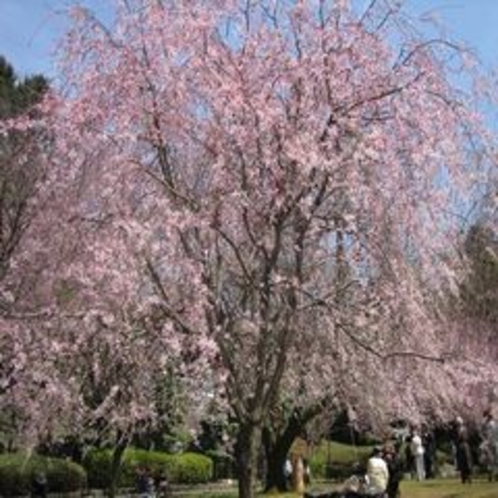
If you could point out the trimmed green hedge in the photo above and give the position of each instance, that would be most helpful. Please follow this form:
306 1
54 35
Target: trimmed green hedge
17 472
185 468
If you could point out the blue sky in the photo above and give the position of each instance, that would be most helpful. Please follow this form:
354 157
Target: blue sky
29 28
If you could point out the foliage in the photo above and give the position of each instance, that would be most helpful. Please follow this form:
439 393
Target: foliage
336 460
480 289
223 464
234 170
16 95
17 472
168 432
192 468
185 468
21 176
97 464
20 168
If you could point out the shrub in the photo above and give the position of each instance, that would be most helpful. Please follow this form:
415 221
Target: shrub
97 464
192 468
185 468
17 472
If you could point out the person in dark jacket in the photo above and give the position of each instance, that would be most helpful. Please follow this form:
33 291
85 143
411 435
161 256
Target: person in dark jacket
144 483
409 458
463 454
429 444
39 485
395 467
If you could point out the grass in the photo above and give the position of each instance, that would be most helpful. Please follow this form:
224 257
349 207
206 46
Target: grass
448 488
437 488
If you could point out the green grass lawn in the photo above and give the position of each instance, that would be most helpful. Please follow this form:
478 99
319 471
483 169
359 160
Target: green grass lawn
449 488
437 488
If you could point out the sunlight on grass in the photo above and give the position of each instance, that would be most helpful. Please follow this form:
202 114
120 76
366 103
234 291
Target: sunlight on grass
437 488
448 488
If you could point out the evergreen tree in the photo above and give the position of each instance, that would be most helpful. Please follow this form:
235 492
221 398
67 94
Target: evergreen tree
19 169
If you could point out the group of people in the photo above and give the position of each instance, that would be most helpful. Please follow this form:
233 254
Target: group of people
420 452
488 450
385 468
383 475
150 486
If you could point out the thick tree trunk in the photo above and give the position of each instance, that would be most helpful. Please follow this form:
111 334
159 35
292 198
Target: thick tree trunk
117 457
278 445
246 458
276 450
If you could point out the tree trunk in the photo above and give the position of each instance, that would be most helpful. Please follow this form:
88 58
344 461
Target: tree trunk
117 457
276 450
277 445
246 457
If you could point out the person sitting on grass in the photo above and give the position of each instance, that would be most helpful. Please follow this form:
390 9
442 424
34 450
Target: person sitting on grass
374 483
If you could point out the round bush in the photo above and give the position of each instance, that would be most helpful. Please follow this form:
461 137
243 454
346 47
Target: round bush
155 461
193 468
185 468
97 464
17 472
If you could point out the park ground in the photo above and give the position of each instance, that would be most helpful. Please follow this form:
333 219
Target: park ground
449 488
436 488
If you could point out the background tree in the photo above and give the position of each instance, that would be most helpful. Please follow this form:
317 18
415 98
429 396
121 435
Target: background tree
20 167
21 173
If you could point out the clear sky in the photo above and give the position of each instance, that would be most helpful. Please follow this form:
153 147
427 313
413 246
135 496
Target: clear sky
29 28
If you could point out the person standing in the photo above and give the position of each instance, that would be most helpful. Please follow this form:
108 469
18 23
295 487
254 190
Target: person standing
417 450
409 459
39 485
463 454
298 475
395 468
489 446
144 483
288 473
429 444
161 485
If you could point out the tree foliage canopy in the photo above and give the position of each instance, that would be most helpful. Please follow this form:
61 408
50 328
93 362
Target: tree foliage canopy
265 194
